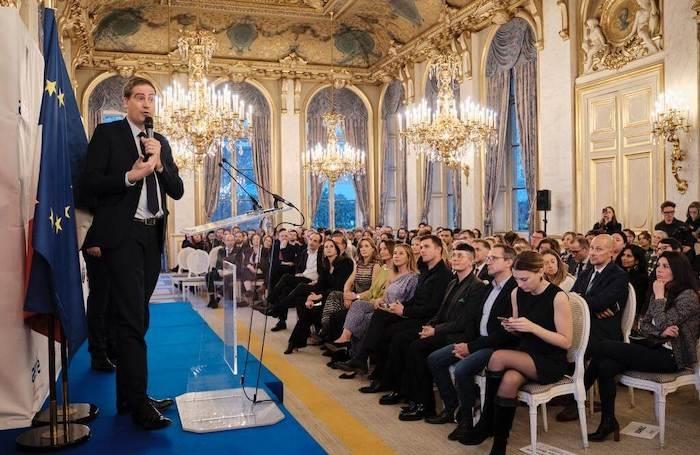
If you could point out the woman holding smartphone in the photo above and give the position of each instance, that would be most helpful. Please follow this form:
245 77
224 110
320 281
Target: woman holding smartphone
542 321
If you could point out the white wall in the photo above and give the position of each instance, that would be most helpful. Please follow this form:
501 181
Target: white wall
292 176
681 76
557 73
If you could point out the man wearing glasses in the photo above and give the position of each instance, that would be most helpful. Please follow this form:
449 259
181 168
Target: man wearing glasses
578 256
674 227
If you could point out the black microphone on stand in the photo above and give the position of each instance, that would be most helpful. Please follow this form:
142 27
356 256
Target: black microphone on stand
276 197
256 204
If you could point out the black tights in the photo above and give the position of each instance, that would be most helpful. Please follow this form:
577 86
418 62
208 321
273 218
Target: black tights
611 358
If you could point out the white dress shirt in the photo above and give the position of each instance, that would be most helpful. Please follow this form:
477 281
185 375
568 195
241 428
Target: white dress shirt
142 211
488 305
311 270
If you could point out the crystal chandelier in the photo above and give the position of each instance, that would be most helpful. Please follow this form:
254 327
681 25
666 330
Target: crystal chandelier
200 119
334 159
447 134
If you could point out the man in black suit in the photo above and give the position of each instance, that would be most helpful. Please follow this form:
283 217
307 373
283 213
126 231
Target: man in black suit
225 253
578 257
481 250
292 287
605 287
483 336
132 175
463 293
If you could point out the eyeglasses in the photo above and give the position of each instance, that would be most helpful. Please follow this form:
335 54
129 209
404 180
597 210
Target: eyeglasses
493 258
669 212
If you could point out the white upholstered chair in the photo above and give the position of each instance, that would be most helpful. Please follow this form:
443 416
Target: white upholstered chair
535 394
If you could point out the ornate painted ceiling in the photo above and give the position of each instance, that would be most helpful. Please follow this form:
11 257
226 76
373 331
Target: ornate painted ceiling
267 30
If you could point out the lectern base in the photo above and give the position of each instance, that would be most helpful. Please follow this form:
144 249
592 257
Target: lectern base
39 439
227 409
77 413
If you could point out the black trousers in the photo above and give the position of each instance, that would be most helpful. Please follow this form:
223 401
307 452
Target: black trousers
286 294
335 324
382 328
416 380
134 267
100 337
393 368
306 318
611 358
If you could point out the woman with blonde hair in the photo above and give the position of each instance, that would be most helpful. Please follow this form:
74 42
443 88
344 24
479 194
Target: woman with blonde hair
556 272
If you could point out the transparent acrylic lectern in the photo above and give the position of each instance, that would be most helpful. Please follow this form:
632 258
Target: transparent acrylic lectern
215 399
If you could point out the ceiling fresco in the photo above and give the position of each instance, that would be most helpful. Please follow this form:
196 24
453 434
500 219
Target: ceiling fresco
268 30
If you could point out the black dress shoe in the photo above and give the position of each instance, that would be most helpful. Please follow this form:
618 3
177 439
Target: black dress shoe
160 405
413 413
213 302
149 418
102 364
281 325
446 416
463 428
374 387
391 398
353 365
604 430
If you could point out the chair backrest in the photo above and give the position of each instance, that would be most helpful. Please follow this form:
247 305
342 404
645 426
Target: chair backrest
198 262
213 254
628 314
581 318
182 258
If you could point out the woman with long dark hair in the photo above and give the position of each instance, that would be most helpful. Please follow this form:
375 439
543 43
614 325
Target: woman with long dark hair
608 222
542 320
632 260
670 328
335 271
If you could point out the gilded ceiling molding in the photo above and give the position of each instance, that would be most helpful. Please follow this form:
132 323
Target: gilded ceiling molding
11 3
448 33
308 9
696 8
75 23
564 10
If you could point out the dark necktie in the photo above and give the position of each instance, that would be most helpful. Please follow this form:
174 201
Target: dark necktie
592 282
151 185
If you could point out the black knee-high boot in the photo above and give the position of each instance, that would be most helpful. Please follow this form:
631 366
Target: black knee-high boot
484 428
503 414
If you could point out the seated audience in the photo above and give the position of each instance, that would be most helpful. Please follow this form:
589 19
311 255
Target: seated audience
566 240
608 222
473 351
335 271
447 238
403 316
535 238
670 330
520 245
619 242
674 227
578 259
604 287
481 251
656 237
556 272
543 322
631 236
295 286
256 261
226 253
548 244
407 374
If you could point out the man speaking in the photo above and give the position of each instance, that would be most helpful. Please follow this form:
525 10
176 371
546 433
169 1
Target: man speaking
131 172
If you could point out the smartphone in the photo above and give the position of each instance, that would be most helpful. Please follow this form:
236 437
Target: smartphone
318 303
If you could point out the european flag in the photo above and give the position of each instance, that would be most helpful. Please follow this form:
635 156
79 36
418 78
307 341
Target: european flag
54 279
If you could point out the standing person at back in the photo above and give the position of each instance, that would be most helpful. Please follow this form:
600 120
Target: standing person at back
131 175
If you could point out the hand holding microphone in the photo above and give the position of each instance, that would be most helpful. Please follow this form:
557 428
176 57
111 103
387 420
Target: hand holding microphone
150 145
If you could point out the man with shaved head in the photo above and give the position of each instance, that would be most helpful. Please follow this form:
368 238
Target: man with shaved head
605 287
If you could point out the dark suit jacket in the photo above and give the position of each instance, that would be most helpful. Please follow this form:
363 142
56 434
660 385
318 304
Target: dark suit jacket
452 318
304 255
609 291
334 281
497 336
484 274
430 291
111 154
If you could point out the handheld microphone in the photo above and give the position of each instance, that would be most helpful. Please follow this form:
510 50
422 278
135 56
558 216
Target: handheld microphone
148 126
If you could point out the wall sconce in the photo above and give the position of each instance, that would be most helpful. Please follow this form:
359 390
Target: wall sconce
668 120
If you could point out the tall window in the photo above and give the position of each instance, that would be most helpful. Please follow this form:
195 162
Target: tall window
345 212
520 203
231 195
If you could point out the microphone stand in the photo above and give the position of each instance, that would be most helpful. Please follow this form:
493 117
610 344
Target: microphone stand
256 204
275 196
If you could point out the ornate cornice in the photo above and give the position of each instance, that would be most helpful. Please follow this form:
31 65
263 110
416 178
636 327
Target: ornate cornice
309 9
291 67
75 22
12 3
696 8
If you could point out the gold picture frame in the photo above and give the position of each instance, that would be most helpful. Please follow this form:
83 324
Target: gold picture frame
617 20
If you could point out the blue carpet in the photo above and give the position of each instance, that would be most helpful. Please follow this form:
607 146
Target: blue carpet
178 339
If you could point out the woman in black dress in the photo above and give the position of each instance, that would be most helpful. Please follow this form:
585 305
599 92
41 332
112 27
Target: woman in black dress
336 270
542 321
608 222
